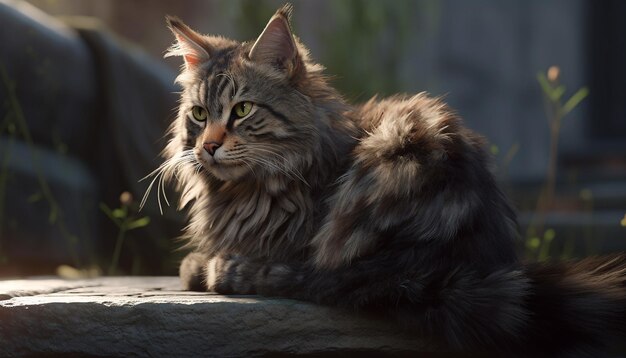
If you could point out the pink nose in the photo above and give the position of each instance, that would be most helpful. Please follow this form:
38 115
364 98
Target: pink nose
211 147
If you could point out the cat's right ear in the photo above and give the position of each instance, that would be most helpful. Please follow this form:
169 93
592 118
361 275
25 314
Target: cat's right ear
276 46
189 44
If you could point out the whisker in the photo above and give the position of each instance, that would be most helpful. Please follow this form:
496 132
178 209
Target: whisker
276 166
292 174
169 168
147 192
249 166
263 148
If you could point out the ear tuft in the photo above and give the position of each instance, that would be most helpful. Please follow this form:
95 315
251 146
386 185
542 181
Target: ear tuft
276 46
189 44
286 11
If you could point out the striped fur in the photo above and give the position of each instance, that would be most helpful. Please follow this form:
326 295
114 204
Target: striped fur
386 207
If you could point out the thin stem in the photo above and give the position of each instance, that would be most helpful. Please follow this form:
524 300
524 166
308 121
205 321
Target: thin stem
118 249
546 200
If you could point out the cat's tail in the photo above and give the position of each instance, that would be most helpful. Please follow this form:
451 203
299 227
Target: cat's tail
558 309
576 306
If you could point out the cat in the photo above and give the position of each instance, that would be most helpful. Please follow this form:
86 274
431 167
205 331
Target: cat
388 207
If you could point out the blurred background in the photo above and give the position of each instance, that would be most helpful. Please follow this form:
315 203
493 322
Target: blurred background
85 98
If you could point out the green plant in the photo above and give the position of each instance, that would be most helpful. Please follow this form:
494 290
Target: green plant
16 125
368 27
125 219
538 238
504 161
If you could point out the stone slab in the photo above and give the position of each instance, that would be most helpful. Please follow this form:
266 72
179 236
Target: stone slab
151 316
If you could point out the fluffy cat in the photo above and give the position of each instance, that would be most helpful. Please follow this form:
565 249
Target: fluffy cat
387 207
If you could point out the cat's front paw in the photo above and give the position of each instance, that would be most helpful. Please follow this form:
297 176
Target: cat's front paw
192 272
231 274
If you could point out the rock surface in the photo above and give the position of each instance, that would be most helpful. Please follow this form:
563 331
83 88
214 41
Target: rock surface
150 316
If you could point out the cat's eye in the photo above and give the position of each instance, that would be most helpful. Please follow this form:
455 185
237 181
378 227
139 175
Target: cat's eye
199 114
242 109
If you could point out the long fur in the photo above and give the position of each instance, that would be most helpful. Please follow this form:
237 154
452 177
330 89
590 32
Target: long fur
387 207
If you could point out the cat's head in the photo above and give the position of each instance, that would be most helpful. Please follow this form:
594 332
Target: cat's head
246 109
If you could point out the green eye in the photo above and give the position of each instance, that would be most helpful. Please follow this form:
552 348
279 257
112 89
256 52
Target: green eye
199 114
242 109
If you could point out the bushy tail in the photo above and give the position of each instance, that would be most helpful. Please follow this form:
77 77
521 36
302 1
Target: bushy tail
577 307
560 309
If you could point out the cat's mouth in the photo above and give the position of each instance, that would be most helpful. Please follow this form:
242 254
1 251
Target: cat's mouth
221 168
213 161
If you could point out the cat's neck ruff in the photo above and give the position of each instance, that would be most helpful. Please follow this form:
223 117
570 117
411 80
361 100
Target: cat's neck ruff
270 217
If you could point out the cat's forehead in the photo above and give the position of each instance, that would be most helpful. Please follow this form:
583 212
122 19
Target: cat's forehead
222 61
232 61
232 64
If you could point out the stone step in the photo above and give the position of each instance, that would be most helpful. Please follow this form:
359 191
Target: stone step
151 316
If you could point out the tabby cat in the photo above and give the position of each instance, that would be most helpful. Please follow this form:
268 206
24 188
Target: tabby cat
387 207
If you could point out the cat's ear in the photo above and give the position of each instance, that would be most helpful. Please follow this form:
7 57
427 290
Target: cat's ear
189 44
276 45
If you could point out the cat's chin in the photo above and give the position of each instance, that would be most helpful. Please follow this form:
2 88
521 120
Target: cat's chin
227 172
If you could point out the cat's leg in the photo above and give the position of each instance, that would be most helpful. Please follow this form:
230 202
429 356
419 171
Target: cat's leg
234 274
193 272
226 273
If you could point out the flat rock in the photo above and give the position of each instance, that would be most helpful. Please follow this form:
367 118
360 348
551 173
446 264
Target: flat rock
151 316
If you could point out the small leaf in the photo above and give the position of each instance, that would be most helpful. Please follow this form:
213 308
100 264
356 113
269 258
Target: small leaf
543 82
494 149
575 100
35 197
549 235
533 243
52 218
136 224
557 93
107 211
119 213
623 222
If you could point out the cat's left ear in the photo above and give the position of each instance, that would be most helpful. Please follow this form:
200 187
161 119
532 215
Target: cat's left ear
276 46
189 44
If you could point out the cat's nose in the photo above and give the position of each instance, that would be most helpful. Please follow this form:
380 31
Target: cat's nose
211 147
